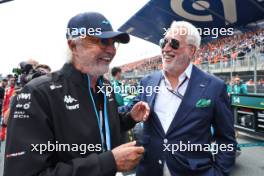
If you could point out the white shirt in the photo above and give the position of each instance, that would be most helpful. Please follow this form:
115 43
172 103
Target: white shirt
167 103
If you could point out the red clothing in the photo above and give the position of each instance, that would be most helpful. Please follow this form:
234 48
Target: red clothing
8 94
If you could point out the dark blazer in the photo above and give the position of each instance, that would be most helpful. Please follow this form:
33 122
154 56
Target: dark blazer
191 123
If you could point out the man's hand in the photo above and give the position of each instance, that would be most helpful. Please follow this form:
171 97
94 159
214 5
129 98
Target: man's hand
140 111
127 156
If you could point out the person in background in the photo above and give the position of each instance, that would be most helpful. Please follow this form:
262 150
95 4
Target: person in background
239 87
261 82
33 62
43 68
117 85
3 86
229 87
250 82
9 91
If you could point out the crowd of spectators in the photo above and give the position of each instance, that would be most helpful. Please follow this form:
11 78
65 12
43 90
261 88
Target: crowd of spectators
223 49
250 82
230 48
148 64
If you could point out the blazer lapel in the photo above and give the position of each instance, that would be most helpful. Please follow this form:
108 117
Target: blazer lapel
195 89
153 82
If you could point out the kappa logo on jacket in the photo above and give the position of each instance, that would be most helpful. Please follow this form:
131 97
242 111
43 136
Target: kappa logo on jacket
69 99
71 103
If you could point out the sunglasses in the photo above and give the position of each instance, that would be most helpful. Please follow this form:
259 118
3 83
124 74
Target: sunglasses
175 44
103 43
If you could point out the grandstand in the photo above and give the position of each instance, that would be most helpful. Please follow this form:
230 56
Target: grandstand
142 67
241 54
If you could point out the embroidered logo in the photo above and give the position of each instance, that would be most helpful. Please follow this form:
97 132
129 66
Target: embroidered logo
71 103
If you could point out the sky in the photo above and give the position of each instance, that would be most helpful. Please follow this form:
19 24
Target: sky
35 29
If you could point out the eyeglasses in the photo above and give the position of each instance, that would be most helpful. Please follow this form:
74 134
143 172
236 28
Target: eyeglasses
103 43
175 44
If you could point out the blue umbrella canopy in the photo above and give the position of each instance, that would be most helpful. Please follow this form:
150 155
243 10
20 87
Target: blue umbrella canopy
3 1
150 22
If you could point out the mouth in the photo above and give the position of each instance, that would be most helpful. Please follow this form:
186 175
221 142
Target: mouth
105 59
168 57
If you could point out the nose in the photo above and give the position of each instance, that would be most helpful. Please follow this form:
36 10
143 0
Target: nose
110 49
167 48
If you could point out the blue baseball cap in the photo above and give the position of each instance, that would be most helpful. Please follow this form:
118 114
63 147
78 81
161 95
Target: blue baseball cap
93 24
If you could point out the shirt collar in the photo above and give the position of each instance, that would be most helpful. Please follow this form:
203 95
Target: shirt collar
187 73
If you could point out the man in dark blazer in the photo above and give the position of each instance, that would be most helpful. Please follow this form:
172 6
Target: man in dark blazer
177 137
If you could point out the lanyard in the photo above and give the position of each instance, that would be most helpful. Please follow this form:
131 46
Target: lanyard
177 93
106 122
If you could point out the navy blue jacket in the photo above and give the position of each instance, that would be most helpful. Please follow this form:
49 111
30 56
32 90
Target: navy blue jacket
191 123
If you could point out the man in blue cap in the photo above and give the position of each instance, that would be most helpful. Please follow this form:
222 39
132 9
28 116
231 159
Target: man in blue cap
66 123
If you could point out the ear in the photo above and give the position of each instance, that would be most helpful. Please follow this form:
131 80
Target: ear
193 50
72 45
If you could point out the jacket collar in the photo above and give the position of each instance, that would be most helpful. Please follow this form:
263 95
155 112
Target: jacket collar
73 74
